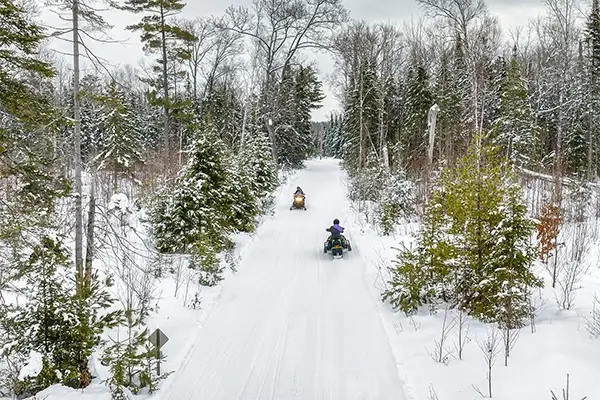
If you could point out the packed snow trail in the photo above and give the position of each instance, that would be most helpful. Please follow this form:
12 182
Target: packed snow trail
292 323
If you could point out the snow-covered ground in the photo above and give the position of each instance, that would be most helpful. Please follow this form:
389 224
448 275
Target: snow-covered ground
294 324
539 361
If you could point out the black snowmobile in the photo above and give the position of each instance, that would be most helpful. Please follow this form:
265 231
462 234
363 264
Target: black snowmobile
336 243
299 202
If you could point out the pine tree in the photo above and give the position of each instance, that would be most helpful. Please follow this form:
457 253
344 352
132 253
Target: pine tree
513 257
31 179
92 133
257 162
189 216
517 132
20 45
474 245
418 101
210 200
361 116
121 150
160 36
449 121
60 325
333 137
423 276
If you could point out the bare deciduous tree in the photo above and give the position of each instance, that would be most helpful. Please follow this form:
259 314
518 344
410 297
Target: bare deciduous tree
281 30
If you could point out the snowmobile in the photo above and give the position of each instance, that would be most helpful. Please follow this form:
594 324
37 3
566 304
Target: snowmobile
337 246
299 202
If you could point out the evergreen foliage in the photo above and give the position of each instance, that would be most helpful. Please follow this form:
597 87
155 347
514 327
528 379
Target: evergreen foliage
55 322
517 133
418 101
121 150
474 248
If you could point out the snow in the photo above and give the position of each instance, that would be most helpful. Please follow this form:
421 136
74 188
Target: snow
294 324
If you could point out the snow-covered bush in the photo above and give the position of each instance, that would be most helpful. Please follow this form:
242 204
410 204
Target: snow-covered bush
397 201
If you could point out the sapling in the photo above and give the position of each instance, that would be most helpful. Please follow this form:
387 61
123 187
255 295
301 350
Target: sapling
432 393
490 347
565 393
463 332
509 338
440 353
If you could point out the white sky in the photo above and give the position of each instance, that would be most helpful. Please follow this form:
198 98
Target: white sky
511 13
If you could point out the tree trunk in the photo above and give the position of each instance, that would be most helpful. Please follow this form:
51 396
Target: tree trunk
77 149
89 250
165 77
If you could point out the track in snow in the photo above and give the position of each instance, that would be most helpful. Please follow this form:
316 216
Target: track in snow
292 323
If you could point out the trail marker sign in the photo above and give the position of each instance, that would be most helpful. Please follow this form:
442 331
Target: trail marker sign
158 339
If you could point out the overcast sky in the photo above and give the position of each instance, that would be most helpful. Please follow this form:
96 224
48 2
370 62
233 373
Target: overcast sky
511 13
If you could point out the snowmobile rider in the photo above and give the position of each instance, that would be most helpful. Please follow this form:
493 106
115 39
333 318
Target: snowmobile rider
298 191
336 233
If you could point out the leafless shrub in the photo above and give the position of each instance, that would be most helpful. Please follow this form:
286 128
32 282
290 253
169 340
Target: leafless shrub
179 272
573 263
440 352
415 324
383 267
593 321
490 347
398 327
565 393
432 393
127 256
536 304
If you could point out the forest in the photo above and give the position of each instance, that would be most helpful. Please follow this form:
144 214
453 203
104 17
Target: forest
448 121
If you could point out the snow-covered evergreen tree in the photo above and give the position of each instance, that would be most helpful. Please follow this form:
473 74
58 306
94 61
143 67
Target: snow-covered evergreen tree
473 247
333 137
256 161
120 152
361 117
60 325
299 93
187 219
418 101
517 132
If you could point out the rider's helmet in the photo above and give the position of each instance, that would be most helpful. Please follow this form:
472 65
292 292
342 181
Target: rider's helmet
336 221
298 188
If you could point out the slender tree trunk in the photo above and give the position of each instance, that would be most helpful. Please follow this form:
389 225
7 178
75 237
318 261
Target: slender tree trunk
165 79
89 250
77 149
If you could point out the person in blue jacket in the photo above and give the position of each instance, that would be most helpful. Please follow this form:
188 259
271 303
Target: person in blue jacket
336 231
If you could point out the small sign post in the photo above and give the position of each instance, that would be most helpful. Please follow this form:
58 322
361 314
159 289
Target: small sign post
158 339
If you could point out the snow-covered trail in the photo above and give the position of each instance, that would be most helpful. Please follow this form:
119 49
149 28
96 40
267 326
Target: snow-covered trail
293 323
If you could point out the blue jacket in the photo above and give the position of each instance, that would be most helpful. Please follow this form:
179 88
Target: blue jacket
335 230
